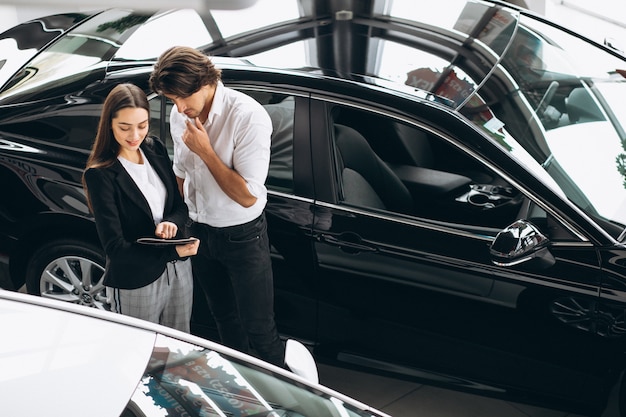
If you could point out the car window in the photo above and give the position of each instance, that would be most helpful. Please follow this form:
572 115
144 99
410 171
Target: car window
155 36
281 109
426 71
156 129
385 164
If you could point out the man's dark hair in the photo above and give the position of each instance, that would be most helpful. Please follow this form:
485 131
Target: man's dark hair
181 71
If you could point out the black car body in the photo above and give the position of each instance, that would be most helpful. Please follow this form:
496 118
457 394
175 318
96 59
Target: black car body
461 226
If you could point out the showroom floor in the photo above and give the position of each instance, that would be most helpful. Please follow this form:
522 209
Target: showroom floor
406 399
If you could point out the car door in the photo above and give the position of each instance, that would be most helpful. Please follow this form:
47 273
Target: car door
412 287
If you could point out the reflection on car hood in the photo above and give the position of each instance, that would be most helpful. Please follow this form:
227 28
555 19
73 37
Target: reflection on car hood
21 43
58 355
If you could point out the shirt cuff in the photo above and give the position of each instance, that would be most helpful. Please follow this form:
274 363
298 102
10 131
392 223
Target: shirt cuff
178 172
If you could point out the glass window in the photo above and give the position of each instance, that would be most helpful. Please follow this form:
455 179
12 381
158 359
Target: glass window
563 110
281 108
293 55
155 122
156 35
82 53
385 164
182 379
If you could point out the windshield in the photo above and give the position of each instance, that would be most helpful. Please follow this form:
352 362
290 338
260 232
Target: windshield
182 379
563 103
538 90
87 50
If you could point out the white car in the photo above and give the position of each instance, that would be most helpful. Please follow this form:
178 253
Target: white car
60 359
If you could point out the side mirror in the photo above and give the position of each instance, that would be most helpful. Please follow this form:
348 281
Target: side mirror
521 242
300 361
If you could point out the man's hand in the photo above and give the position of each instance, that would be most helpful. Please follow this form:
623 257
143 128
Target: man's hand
234 186
196 138
189 249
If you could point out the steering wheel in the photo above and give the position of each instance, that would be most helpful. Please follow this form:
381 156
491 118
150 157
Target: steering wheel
547 98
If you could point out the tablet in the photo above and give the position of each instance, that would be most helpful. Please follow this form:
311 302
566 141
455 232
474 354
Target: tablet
154 241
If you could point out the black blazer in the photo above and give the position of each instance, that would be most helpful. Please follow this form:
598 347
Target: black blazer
122 215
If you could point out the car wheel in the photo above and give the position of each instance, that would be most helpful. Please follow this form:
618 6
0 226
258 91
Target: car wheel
68 271
590 316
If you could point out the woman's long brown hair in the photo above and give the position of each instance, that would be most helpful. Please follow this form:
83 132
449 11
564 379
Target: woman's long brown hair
105 148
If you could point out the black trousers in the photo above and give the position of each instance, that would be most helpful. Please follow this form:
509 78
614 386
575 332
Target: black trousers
234 269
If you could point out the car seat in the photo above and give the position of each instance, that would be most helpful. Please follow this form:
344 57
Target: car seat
582 108
281 162
365 178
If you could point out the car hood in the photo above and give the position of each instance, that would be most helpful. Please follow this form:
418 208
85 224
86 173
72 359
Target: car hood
68 368
94 43
21 43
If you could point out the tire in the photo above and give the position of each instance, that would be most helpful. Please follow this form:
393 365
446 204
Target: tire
70 271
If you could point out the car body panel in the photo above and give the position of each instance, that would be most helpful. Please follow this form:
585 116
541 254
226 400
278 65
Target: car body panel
117 365
51 358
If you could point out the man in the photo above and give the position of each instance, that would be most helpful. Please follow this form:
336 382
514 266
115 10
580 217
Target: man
222 144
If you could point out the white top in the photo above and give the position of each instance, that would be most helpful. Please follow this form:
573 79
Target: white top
149 183
240 132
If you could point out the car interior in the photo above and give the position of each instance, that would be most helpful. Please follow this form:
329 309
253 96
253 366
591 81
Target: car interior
366 179
385 164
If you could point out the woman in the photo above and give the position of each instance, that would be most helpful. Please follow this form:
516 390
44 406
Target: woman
132 192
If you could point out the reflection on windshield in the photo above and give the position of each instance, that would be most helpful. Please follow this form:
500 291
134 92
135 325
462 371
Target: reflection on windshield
557 108
74 56
580 132
260 14
151 39
114 34
186 380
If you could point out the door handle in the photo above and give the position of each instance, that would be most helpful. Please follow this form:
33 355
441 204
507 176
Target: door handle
350 242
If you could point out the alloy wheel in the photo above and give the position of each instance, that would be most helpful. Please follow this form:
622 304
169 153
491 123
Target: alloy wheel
74 279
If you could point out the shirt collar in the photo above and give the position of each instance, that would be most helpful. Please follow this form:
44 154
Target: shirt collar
217 107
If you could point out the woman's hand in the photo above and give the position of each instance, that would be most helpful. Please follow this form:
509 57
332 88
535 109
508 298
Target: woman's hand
166 230
189 249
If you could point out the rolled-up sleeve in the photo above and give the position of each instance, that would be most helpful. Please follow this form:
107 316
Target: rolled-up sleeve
252 151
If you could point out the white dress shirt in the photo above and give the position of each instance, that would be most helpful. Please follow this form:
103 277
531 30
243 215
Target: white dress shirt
240 132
